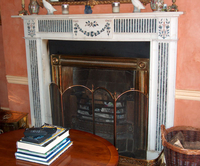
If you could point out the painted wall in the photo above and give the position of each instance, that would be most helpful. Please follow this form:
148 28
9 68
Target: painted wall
188 63
3 83
188 59
14 53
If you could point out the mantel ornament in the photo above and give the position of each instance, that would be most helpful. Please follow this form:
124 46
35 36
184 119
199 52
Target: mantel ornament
23 11
173 7
49 7
91 2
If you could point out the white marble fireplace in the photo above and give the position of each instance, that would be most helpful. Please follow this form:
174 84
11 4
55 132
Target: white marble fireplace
159 28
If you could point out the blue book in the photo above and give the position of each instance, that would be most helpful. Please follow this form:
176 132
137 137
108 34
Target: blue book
44 148
43 155
59 131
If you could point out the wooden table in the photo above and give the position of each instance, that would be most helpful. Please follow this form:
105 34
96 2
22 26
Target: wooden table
87 150
13 120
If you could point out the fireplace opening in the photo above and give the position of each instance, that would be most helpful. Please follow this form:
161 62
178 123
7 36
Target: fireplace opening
112 62
102 88
128 49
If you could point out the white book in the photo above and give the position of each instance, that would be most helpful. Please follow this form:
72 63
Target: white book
42 149
38 157
45 162
43 154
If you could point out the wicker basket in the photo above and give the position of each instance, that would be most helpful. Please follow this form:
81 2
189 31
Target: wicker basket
176 156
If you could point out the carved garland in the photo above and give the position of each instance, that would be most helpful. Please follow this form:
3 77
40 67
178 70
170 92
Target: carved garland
92 33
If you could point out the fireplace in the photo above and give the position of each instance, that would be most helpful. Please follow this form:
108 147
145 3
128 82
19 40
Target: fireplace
159 29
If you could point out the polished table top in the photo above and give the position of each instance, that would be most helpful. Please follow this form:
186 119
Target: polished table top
87 150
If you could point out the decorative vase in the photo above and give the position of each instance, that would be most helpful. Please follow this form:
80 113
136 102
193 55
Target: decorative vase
33 7
88 9
157 5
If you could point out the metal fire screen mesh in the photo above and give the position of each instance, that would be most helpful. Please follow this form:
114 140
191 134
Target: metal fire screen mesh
122 119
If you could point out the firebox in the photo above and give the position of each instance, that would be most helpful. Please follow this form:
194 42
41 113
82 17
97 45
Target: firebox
116 66
103 92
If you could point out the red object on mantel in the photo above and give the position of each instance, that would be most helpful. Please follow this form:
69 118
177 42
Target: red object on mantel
87 150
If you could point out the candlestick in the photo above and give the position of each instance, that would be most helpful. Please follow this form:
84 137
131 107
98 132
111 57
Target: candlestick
23 11
173 7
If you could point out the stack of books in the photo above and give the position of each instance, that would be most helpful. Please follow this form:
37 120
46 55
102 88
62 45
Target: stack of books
47 150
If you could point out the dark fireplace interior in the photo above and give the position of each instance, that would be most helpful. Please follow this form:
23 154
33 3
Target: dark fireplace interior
102 88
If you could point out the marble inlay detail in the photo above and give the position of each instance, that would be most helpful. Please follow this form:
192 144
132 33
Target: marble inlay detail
164 28
92 33
31 28
163 53
129 25
61 26
91 24
35 82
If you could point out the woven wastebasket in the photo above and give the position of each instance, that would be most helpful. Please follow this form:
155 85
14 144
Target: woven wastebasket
176 156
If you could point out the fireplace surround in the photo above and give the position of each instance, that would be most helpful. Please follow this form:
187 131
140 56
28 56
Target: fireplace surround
159 28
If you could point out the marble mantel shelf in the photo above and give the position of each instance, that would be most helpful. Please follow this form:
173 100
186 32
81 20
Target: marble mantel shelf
111 15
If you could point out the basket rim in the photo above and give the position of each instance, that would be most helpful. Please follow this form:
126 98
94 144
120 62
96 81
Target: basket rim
164 132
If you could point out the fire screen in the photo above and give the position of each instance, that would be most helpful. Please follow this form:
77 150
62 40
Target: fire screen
122 119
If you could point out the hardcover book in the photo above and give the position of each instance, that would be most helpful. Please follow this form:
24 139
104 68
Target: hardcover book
59 130
44 146
43 161
44 155
47 158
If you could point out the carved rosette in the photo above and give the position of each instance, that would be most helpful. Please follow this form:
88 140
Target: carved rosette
31 28
164 28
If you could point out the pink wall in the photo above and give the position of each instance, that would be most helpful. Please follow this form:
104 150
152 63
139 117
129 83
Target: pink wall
188 63
14 53
3 84
188 60
188 47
